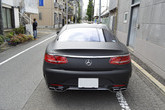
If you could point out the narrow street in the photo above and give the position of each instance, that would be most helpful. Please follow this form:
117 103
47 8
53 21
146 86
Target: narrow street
22 86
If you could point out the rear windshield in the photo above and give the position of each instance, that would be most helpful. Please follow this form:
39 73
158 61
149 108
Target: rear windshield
83 35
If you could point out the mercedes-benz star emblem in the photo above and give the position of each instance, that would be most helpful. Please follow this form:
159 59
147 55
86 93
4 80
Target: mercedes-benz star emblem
88 62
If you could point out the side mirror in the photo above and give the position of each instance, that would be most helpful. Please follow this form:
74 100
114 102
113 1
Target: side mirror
57 32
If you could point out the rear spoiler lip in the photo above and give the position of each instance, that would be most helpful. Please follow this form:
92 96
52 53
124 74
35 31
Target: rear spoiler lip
76 56
86 46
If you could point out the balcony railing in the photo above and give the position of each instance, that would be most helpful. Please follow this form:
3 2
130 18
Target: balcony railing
56 5
61 7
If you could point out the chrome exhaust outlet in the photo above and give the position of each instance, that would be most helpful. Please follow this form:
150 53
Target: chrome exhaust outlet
117 89
123 89
52 88
58 89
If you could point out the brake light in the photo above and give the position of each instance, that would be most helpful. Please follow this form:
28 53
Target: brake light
119 85
55 59
120 60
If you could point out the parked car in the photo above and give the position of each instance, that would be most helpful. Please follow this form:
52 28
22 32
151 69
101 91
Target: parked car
86 57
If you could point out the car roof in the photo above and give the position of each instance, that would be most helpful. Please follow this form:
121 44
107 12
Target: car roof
71 26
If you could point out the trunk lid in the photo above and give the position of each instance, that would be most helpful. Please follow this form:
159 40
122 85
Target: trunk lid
87 56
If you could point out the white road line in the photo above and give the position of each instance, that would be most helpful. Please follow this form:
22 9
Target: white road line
25 50
150 77
122 101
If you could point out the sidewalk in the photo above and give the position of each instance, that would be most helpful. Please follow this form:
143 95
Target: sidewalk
147 68
40 33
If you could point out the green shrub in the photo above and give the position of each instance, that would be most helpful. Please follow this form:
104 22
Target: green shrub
14 40
20 30
21 39
30 37
24 37
9 35
1 40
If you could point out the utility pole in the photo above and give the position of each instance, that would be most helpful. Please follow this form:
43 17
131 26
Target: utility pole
1 20
99 11
66 11
76 15
75 1
93 8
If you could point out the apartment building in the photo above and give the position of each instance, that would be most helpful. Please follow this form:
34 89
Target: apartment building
51 13
140 26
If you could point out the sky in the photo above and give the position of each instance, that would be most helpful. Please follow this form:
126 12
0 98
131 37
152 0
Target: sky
104 4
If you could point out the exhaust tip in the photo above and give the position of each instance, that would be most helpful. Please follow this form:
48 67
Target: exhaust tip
117 89
58 89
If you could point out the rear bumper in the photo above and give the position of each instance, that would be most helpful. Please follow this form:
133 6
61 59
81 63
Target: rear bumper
69 79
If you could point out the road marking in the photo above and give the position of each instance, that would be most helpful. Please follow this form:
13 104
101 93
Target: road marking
25 50
122 101
149 76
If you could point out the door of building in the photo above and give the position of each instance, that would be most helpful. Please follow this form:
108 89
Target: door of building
133 27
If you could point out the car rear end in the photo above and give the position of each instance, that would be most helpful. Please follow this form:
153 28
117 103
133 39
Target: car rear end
87 66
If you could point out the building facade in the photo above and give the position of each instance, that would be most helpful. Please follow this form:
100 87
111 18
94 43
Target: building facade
10 14
52 13
140 26
15 13
113 9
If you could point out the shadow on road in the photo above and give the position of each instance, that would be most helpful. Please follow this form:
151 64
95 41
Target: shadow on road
44 99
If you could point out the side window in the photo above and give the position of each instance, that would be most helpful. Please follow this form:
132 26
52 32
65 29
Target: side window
125 17
109 37
40 16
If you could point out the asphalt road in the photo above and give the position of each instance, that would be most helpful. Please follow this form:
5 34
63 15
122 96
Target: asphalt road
22 86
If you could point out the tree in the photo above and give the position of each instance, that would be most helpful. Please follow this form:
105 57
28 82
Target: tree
79 13
90 10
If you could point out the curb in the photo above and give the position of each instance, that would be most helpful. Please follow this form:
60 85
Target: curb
4 47
149 76
157 80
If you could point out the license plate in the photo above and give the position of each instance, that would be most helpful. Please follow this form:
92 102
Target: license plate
88 82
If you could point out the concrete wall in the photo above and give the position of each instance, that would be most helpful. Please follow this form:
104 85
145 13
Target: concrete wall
150 39
17 2
113 4
122 28
8 2
11 2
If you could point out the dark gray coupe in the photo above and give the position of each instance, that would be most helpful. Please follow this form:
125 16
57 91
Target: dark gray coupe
86 57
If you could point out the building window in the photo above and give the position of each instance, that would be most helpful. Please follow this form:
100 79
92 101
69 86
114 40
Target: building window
55 18
60 20
7 18
125 17
40 16
135 1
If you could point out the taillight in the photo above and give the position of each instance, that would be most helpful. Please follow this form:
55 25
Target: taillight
119 85
120 60
55 59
